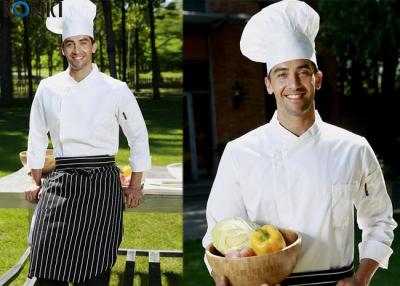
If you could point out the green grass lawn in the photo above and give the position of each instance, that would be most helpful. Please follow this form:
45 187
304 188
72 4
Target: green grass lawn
142 230
196 272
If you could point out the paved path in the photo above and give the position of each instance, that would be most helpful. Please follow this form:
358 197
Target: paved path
195 202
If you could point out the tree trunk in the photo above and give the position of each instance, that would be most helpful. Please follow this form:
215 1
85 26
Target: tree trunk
129 60
50 60
101 53
19 65
27 52
123 40
154 57
38 66
137 62
389 74
110 37
6 64
119 53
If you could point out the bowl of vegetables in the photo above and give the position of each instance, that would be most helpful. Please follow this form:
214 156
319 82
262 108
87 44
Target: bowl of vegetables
249 254
49 162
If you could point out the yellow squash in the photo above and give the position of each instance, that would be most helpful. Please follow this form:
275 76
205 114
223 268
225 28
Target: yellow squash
126 170
266 239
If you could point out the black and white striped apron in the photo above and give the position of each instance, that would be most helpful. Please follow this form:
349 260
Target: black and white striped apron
319 278
78 227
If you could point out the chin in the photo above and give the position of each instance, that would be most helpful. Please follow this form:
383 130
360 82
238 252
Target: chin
78 67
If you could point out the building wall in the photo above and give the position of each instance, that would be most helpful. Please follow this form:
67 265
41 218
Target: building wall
228 66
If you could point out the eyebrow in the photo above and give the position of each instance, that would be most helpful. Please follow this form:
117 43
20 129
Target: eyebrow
305 66
275 71
282 69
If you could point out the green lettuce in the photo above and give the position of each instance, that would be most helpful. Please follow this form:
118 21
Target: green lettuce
232 234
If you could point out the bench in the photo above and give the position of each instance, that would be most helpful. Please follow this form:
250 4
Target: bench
128 279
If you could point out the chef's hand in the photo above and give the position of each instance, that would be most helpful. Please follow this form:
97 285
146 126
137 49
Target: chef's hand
363 275
33 193
351 281
223 281
133 196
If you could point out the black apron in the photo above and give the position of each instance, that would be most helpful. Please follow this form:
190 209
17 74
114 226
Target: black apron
320 278
78 226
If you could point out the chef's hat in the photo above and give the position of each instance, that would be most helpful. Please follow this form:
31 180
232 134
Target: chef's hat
281 32
76 18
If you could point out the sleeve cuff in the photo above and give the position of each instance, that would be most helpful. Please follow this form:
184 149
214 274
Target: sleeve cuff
35 161
140 164
375 250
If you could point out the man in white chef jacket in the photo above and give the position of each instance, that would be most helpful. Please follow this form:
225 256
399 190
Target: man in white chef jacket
298 172
79 215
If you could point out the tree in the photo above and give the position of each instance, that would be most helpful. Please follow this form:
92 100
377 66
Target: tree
137 58
364 39
5 58
154 57
123 39
110 37
27 56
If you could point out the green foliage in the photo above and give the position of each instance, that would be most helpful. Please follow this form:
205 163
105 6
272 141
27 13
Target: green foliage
45 46
169 37
361 37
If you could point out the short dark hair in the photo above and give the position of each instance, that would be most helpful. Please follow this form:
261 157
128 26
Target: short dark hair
313 66
91 40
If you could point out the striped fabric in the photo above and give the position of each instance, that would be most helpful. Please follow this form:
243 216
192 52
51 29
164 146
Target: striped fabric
322 278
79 222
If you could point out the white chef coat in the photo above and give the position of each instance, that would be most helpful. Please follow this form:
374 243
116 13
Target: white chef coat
309 184
83 118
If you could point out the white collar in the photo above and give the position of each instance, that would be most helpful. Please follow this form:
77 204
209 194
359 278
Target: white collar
92 75
287 138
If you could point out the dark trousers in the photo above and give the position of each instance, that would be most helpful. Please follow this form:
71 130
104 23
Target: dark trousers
103 279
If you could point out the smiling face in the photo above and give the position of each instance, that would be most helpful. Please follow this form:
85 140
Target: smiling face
79 50
294 83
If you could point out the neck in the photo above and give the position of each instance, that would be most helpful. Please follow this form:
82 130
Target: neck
80 74
297 124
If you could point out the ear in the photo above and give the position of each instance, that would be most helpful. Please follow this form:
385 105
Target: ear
62 49
318 80
268 85
94 48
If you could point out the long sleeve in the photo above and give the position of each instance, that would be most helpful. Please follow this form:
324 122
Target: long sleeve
225 198
132 123
37 140
374 213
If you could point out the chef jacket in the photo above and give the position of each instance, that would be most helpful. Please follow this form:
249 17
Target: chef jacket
83 118
308 184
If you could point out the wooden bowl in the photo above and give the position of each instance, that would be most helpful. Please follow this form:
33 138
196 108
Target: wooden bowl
49 162
270 268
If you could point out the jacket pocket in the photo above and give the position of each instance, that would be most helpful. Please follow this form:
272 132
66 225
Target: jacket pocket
342 204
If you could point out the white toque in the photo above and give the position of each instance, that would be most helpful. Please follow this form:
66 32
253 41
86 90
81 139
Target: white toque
281 32
76 19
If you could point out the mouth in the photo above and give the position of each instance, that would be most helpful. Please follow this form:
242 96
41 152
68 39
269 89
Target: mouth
295 97
77 58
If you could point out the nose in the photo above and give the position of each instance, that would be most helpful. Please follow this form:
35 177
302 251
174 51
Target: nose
76 49
293 81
